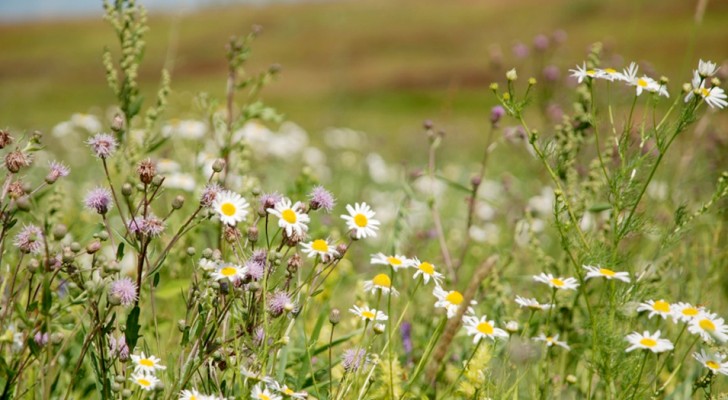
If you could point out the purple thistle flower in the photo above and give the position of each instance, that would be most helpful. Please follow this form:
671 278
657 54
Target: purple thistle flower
551 73
29 239
153 226
209 194
56 170
321 198
520 50
279 302
119 347
268 200
125 290
255 270
41 339
260 256
496 113
259 336
541 42
103 145
353 359
99 200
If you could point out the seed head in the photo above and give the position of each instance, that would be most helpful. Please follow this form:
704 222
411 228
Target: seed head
146 171
5 138
16 160
209 194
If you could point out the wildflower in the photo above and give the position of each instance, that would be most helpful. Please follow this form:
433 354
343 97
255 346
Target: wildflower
707 68
103 145
321 199
284 389
269 200
229 271
659 307
291 217
406 331
16 160
581 73
709 327
145 381
427 272
191 395
41 338
278 302
118 347
124 290
533 304
259 393
5 139
496 113
353 359
551 341
609 74
361 220
395 261
254 270
629 75
186 129
481 328
596 272
714 362
512 326
320 247
541 42
153 225
148 365
381 282
29 239
146 171
557 283
56 170
99 200
231 207
715 96
368 314
520 50
209 194
685 312
648 341
449 300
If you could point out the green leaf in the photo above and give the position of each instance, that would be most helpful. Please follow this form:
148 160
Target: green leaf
120 251
599 207
155 280
132 327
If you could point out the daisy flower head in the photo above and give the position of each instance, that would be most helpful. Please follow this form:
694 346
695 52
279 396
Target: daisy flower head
648 341
710 327
557 283
714 362
685 312
715 96
230 206
263 393
191 395
481 328
146 365
380 282
320 247
659 307
450 300
581 73
232 272
291 217
368 314
427 272
532 304
598 272
707 68
361 220
286 391
145 381
609 74
552 341
396 261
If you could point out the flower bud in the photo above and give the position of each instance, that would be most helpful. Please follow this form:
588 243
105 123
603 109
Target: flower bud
334 316
253 234
5 138
126 189
33 266
146 171
379 329
178 202
496 113
218 165
93 247
75 247
23 203
59 231
191 251
181 325
511 75
117 124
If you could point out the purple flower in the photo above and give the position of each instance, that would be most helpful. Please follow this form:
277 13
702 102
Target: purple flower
559 36
118 347
29 239
353 359
321 198
259 336
255 270
496 113
279 302
268 200
260 256
541 42
125 290
520 50
551 73
150 226
99 200
406 330
41 339
103 145
57 170
209 194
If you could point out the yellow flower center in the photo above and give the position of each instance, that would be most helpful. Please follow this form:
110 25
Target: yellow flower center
289 216
661 306
557 282
591 72
454 297
146 362
707 325
382 280
641 82
228 209
193 397
288 391
606 272
690 311
367 314
394 261
263 396
712 365
485 328
361 220
610 70
228 271
550 339
320 245
427 268
648 342
144 382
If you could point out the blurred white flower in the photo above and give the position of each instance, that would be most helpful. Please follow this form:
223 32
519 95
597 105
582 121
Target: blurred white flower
184 129
180 181
87 122
167 166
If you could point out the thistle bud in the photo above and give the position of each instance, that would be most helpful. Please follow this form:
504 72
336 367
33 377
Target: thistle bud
146 171
334 316
93 247
59 231
126 189
178 202
5 138
294 263
23 203
117 124
253 234
218 165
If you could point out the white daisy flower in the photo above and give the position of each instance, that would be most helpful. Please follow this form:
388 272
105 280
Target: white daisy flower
557 283
368 314
598 272
230 206
685 312
396 261
427 271
259 393
380 282
320 247
609 74
659 307
714 362
144 364
581 73
551 341
229 271
715 96
707 68
450 300
481 328
284 389
361 220
192 395
648 341
291 217
145 381
533 304
709 326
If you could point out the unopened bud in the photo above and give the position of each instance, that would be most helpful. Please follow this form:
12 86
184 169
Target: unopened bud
23 203
294 263
341 249
531 81
511 75
103 236
93 247
146 171
494 87
126 189
571 379
33 266
379 329
334 316
253 234
117 124
191 251
59 231
664 80
715 81
181 325
178 202
218 165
